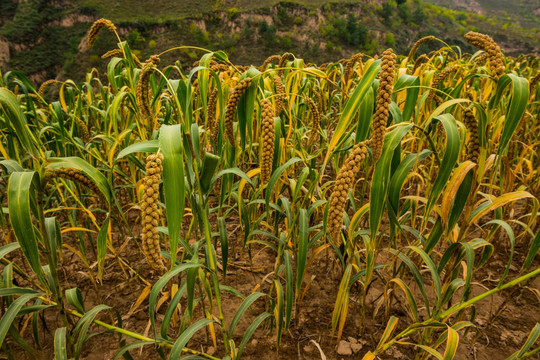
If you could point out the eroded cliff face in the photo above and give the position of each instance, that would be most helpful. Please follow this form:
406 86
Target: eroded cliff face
58 48
4 53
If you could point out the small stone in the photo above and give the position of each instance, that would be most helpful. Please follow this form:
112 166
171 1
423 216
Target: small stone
356 347
254 342
211 350
344 348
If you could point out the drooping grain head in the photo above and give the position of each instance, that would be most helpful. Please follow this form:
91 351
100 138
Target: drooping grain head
74 175
142 94
120 54
417 45
384 98
282 62
218 68
315 121
350 65
481 59
267 140
85 135
232 104
270 59
473 142
486 43
113 53
344 182
534 81
44 86
280 94
213 123
150 213
421 59
432 95
96 27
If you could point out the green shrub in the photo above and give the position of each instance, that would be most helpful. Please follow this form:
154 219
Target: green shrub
298 20
390 39
232 13
329 45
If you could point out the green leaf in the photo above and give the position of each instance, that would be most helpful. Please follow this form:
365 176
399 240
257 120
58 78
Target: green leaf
6 249
152 299
75 299
14 112
209 165
381 177
82 327
351 107
450 158
303 247
170 141
133 345
249 333
224 239
516 108
19 198
102 246
533 251
186 335
451 344
274 179
242 309
289 293
150 146
91 172
531 339
11 313
60 349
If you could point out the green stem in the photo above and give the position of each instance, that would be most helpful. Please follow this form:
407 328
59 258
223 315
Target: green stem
131 334
455 309
211 263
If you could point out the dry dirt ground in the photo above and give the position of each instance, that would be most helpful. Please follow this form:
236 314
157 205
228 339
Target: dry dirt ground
503 321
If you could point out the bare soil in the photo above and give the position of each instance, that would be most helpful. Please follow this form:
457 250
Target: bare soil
503 321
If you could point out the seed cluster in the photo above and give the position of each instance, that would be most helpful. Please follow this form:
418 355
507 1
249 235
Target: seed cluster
219 68
96 27
486 43
232 104
473 142
150 212
418 44
72 175
384 94
436 81
481 58
350 65
534 81
120 54
282 62
44 86
83 129
280 94
267 141
270 59
344 182
421 59
315 122
213 124
143 86
320 101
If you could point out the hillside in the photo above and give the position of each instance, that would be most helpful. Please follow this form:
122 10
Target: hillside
522 12
46 38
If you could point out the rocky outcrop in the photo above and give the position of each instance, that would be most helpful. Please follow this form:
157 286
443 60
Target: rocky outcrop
4 53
